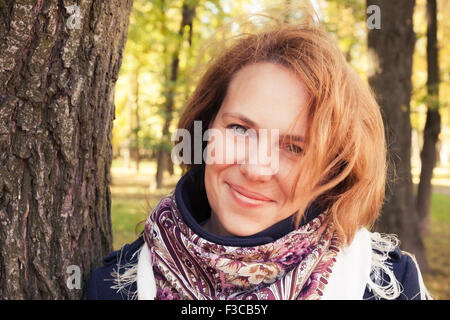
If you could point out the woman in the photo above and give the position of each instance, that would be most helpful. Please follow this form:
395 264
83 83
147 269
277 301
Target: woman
292 227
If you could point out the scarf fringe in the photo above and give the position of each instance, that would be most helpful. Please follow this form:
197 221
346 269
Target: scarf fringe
124 276
424 294
382 245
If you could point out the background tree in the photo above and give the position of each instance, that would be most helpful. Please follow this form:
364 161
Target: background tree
429 153
163 156
58 66
390 51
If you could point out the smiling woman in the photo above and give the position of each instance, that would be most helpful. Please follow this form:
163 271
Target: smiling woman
245 198
242 229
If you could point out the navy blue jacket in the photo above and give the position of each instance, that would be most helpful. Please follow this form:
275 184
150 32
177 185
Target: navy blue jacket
191 199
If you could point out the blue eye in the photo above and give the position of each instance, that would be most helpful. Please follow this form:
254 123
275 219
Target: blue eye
238 128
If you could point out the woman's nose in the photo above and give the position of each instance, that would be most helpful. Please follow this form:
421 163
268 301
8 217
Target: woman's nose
259 171
261 159
259 166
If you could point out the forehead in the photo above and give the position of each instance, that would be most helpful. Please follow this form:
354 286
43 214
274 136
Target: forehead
269 94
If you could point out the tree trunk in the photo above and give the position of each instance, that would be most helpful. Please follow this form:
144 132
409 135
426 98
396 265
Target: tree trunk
163 156
58 67
390 52
432 128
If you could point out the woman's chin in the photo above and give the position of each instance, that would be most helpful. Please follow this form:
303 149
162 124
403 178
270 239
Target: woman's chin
241 225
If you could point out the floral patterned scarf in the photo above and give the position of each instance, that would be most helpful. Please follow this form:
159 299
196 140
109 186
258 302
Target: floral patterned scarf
186 266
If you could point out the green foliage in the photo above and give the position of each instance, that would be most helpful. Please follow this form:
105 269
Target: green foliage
154 40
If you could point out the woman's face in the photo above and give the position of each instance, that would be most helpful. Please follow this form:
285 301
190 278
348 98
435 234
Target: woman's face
247 197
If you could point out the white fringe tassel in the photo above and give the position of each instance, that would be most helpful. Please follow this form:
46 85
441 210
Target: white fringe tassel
424 294
124 276
382 244
382 290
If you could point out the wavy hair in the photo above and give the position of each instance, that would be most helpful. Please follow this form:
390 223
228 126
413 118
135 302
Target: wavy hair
343 167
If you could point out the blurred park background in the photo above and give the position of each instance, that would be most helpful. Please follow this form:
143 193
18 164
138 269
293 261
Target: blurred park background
159 71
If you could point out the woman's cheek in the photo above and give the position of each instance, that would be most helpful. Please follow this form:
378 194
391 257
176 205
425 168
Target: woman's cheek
286 175
215 153
235 148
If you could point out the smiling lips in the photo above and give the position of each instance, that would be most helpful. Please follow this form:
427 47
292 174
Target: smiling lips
247 198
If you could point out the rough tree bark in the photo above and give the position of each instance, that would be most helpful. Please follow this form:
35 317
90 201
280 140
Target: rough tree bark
432 128
390 51
59 61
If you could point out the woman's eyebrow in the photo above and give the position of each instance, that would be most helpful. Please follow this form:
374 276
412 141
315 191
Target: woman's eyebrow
294 138
254 125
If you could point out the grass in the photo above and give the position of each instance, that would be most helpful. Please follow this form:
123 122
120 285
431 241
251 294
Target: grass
437 243
133 196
